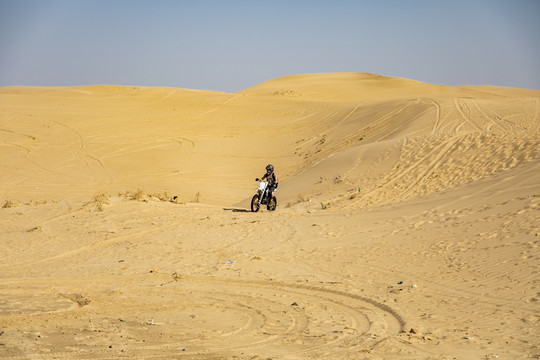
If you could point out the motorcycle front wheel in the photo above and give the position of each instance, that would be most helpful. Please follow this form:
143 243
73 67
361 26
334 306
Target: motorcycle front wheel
272 204
255 204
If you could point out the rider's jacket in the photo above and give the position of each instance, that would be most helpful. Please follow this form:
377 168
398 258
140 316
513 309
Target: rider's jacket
272 179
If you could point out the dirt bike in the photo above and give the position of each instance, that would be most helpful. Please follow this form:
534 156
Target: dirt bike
262 197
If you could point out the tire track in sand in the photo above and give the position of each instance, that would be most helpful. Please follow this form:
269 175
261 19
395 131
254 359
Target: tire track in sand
460 105
217 317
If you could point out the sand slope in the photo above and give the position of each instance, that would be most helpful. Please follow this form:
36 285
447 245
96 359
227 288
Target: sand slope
402 205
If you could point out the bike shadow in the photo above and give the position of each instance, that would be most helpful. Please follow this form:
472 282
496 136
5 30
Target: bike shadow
236 210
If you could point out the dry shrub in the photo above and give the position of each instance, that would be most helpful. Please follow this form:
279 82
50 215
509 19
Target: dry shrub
139 195
355 194
101 197
166 197
162 196
8 204
100 200
299 199
325 206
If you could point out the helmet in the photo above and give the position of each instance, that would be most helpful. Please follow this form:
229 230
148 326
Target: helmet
270 168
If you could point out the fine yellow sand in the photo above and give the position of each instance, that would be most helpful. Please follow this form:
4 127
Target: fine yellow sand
407 224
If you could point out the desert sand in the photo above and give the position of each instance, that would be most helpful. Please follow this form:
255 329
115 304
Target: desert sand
407 226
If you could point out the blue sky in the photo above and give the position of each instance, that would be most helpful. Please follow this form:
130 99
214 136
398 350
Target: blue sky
231 45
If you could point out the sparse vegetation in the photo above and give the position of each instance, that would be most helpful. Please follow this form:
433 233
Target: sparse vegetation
39 202
101 197
354 194
300 199
100 200
139 195
8 204
163 196
321 179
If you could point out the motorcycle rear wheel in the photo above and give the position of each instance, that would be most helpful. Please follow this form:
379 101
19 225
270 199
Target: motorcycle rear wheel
255 203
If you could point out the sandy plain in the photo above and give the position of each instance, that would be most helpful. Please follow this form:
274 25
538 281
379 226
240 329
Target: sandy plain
407 224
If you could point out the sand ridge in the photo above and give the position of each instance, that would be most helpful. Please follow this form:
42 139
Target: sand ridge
407 221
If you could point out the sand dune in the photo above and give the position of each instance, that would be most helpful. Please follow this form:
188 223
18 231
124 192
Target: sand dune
407 222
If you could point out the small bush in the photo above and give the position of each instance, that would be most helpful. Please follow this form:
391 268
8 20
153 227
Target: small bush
163 196
139 195
100 200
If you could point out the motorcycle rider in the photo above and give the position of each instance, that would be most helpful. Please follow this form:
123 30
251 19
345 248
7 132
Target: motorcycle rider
272 178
